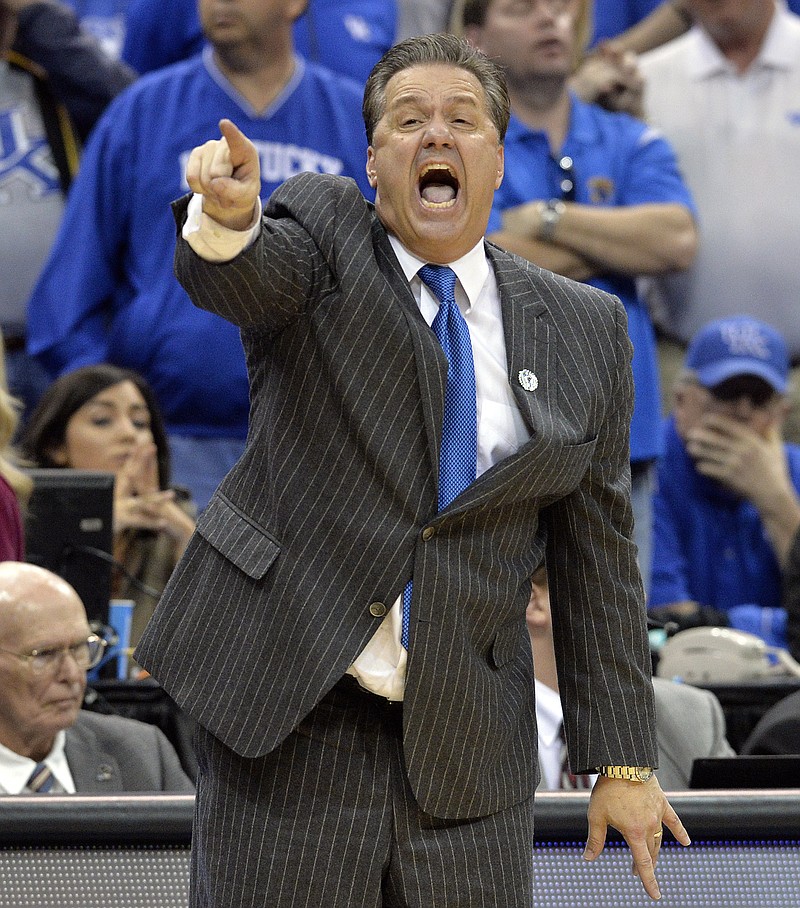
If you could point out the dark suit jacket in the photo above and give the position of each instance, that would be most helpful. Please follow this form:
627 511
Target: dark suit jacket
111 754
332 508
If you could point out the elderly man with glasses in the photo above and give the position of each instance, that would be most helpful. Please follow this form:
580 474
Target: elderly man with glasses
47 743
726 510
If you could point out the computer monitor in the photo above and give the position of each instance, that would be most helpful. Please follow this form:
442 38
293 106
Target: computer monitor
69 530
761 771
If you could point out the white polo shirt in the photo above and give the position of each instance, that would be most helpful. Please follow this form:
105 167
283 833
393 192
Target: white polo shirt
737 138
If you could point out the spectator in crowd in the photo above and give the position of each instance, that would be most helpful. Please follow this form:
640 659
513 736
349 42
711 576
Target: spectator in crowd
726 507
15 487
106 418
689 722
54 84
347 36
108 293
726 95
47 742
593 195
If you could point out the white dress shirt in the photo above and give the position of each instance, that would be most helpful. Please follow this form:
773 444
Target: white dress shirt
549 717
16 770
501 430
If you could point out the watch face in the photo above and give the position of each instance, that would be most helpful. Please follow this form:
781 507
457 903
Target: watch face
644 774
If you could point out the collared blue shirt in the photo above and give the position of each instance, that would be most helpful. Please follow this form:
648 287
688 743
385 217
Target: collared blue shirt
709 545
617 161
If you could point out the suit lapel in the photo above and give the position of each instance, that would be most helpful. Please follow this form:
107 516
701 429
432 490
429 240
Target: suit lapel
93 770
530 354
430 358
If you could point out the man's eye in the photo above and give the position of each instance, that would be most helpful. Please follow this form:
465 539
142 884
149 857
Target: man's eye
45 654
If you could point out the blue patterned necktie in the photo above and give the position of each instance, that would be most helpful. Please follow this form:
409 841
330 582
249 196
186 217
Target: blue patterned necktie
41 780
458 452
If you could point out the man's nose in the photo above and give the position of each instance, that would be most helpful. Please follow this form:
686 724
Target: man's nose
741 409
438 133
69 670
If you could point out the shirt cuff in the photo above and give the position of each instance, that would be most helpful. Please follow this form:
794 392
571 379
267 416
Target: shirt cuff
210 239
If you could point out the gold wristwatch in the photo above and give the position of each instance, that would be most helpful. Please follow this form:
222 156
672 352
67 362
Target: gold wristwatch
629 773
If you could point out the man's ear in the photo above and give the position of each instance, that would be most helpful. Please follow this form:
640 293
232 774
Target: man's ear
372 175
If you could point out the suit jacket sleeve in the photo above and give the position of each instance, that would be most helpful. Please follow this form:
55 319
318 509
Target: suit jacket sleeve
599 617
285 269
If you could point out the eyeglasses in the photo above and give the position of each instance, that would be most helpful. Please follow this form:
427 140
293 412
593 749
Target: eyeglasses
86 654
566 179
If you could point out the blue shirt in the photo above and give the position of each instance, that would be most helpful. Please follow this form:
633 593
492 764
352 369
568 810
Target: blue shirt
108 292
611 17
618 161
709 545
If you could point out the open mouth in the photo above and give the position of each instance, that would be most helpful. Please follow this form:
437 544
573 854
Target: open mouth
438 186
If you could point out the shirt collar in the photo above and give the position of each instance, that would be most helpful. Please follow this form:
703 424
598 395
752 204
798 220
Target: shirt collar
549 714
471 269
15 770
779 51
227 86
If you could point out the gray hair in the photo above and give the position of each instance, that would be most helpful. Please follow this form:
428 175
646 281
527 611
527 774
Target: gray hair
445 49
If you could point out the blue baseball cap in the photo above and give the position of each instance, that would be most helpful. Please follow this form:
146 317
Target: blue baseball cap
739 346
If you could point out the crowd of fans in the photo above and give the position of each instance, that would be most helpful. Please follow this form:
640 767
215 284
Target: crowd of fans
650 149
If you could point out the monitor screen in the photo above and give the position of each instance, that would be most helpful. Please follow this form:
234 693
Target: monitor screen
69 530
767 771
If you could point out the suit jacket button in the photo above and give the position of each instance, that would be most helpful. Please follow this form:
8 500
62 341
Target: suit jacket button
377 610
428 533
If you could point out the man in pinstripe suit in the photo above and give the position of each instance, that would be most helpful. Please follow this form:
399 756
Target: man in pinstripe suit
337 767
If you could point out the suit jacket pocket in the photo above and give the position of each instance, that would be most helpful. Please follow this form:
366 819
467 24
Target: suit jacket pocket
510 640
239 538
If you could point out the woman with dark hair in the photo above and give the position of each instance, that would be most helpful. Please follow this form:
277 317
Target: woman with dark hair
106 418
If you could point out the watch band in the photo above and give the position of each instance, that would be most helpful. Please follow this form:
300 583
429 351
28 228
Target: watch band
629 773
550 213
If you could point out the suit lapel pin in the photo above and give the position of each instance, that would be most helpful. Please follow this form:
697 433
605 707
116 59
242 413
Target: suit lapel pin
104 774
528 380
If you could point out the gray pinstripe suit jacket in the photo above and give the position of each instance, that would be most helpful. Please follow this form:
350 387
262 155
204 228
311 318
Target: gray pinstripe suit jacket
332 507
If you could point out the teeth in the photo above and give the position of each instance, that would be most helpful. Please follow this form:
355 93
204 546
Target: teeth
439 204
429 167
